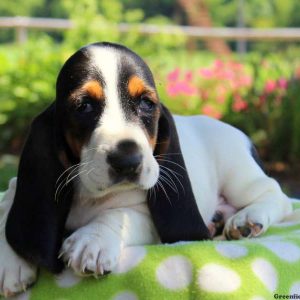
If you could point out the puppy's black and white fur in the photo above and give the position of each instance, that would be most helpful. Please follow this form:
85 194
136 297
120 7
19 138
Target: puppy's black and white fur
106 166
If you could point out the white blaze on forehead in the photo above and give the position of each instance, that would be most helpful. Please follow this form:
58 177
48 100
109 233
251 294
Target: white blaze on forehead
106 60
112 128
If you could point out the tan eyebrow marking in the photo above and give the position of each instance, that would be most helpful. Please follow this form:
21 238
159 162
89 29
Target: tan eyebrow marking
94 89
137 87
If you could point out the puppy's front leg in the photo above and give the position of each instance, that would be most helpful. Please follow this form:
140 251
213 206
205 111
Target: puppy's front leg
96 247
16 274
258 198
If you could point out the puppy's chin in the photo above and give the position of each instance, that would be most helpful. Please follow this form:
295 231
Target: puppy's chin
88 193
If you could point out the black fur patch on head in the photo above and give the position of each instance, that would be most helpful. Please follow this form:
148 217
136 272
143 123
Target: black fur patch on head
131 67
77 121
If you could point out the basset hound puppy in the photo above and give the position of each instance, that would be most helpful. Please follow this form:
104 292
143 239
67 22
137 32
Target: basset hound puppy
107 166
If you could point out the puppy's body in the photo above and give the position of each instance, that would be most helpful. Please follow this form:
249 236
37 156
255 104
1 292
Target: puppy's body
217 156
220 165
107 163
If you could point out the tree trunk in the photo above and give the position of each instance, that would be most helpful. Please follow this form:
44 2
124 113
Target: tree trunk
198 14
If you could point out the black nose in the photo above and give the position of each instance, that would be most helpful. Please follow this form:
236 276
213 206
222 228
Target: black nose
126 159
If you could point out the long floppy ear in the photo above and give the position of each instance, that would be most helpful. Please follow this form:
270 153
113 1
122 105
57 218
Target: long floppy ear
36 220
173 208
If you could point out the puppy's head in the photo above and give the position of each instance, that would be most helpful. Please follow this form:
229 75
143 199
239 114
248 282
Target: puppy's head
106 126
109 107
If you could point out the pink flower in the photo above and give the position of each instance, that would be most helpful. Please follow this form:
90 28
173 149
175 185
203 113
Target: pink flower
218 64
221 94
282 83
186 88
210 111
245 81
172 89
180 87
227 74
206 73
188 76
221 98
270 86
239 104
174 75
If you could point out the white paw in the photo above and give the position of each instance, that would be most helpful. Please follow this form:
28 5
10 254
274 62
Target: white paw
15 273
91 254
251 221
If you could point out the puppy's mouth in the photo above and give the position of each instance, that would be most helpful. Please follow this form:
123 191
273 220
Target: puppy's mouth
124 167
116 187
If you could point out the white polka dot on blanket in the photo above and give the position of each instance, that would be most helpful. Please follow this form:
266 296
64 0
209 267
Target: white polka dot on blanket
126 295
231 250
67 278
265 271
216 278
284 250
295 289
175 272
130 258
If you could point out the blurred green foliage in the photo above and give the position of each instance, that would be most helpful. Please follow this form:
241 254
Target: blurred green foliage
27 84
8 169
267 13
28 72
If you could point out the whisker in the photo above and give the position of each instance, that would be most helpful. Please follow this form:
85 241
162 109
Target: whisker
166 154
74 166
164 179
169 180
76 175
171 162
155 191
70 168
65 182
162 187
92 169
166 172
152 192
172 172
90 149
72 172
77 168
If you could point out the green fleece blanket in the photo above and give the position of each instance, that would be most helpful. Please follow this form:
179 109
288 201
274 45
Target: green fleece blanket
263 268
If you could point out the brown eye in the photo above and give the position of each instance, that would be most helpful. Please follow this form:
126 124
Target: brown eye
145 104
84 108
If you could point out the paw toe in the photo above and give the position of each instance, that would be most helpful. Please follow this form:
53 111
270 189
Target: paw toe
248 230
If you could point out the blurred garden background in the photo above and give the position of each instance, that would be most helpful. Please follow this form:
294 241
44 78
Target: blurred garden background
250 82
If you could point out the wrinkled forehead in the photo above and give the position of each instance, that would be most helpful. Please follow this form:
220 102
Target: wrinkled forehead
108 65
